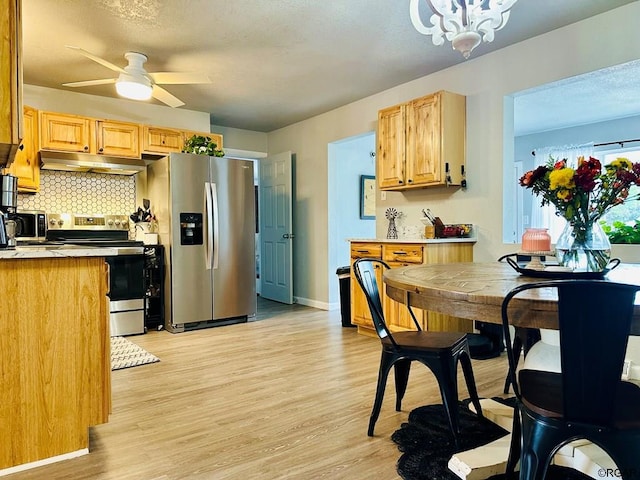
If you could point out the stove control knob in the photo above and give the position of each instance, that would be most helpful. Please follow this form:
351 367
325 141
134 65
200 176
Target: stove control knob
110 222
61 222
125 224
117 223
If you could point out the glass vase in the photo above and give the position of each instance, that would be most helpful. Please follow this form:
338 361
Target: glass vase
583 248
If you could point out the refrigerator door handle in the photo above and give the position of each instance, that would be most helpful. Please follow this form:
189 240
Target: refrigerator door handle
216 224
208 207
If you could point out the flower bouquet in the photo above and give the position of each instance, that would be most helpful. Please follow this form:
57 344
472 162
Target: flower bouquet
582 196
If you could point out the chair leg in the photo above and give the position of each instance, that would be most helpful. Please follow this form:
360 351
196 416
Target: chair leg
514 448
401 374
465 361
386 361
538 443
448 384
517 350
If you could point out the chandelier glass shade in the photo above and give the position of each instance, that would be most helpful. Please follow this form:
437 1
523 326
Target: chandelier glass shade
465 23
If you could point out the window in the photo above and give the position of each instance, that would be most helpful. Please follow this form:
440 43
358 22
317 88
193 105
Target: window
630 211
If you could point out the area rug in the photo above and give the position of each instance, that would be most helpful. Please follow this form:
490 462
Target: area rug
125 354
427 444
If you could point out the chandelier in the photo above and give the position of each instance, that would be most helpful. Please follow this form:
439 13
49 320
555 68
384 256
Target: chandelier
463 22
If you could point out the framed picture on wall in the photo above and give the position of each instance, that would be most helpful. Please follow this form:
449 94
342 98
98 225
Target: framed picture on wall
367 197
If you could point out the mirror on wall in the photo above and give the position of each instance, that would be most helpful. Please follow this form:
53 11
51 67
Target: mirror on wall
602 107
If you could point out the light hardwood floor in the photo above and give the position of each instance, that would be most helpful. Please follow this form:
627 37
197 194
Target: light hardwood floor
286 397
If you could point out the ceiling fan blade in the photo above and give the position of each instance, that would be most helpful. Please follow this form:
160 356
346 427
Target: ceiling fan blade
89 83
99 60
161 94
168 78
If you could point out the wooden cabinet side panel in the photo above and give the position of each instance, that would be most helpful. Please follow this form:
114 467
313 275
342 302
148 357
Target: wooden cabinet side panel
52 356
448 253
26 165
11 126
391 141
453 128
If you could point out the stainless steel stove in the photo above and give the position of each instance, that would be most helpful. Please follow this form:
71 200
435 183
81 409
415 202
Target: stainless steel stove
126 269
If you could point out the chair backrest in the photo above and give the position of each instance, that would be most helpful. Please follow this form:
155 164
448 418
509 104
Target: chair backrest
594 320
365 273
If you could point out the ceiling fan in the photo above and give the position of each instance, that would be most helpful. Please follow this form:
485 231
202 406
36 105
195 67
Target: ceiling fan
136 83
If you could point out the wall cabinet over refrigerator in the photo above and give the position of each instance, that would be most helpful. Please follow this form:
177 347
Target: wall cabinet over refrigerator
422 143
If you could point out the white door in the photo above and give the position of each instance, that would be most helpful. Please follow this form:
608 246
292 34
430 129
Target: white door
276 232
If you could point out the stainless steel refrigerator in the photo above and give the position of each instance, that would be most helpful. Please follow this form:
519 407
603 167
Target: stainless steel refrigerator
205 209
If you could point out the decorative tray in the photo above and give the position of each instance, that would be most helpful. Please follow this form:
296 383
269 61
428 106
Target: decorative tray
552 273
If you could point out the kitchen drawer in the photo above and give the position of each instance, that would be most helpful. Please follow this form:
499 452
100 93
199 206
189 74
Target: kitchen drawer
406 253
366 250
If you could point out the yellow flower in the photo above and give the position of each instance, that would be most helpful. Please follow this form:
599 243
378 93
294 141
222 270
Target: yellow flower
563 194
622 162
561 178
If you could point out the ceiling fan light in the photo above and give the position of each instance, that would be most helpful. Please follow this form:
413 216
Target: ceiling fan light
133 89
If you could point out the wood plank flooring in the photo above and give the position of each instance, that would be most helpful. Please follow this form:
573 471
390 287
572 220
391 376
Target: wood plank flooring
285 397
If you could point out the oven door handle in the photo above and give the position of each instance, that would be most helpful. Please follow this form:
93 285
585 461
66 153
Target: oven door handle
216 224
208 201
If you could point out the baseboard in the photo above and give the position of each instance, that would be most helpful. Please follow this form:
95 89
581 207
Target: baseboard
46 461
313 303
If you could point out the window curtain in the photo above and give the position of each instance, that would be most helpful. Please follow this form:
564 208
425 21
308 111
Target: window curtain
545 217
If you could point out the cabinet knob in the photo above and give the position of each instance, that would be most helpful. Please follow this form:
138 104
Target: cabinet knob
101 149
86 148
21 147
400 182
409 181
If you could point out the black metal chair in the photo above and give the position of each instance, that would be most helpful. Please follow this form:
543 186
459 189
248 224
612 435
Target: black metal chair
587 399
439 351
523 338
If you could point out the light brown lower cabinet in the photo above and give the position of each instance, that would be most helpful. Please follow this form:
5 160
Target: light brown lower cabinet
399 255
54 356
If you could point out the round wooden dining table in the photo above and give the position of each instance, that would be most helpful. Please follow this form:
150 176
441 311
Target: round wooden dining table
475 291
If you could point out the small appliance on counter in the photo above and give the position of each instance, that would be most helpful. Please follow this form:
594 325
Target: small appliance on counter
8 207
31 226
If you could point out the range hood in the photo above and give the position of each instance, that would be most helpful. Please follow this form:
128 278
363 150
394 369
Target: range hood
86 162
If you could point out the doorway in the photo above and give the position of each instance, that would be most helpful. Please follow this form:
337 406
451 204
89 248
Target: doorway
348 160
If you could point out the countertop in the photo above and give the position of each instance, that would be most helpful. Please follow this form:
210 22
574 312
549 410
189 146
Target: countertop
471 239
58 251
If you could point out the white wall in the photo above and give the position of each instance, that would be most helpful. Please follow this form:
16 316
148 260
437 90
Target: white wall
592 44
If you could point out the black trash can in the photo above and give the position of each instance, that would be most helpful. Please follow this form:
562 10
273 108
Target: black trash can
344 277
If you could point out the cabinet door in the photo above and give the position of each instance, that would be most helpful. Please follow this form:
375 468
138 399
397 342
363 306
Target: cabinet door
397 314
11 124
423 141
215 137
391 147
26 166
118 138
360 313
161 140
69 133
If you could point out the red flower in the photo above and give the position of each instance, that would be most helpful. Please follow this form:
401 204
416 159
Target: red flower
532 176
560 164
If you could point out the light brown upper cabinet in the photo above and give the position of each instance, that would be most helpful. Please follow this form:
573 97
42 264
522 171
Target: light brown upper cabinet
26 165
74 133
215 137
68 133
161 140
422 143
11 123
120 139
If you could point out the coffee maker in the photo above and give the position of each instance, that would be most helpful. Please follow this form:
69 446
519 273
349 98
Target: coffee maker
8 207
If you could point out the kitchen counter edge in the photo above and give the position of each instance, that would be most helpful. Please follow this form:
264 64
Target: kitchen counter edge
415 240
20 253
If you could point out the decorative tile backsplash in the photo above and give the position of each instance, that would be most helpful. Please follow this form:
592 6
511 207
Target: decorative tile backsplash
88 193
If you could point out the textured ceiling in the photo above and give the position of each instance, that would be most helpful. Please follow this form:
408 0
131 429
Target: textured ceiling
272 62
